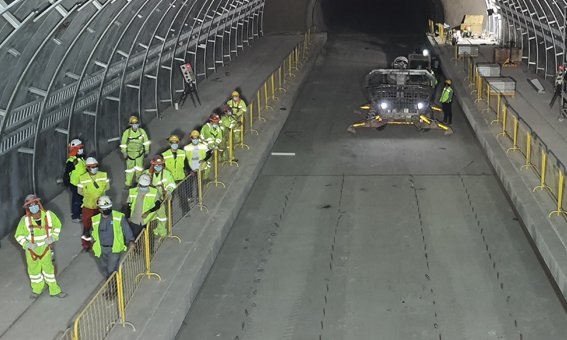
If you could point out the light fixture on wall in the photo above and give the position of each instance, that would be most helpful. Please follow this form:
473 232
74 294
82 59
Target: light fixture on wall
490 11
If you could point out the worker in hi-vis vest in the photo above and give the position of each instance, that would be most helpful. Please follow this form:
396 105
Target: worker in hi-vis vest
37 231
135 145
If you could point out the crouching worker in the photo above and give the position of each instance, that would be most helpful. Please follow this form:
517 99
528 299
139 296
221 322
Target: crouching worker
111 232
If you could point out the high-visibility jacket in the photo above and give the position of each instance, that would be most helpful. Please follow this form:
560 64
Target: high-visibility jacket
211 136
163 181
175 163
238 107
148 203
118 245
228 122
135 143
92 187
195 154
79 167
28 231
446 95
560 78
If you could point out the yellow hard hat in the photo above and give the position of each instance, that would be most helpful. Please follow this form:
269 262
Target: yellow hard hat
133 120
235 94
195 134
448 82
174 139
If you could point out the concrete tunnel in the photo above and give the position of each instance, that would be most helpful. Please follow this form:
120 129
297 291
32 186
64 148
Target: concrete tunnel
79 69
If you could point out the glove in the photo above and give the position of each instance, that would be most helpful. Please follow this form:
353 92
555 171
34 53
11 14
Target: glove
31 246
49 241
124 155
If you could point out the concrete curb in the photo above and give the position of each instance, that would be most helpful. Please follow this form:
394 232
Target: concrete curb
543 231
159 308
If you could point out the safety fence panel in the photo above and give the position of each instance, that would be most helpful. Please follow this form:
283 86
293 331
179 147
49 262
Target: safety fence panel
66 335
97 318
184 198
133 265
523 131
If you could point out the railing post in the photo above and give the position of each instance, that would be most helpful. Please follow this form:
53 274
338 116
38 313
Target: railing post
242 145
542 184
251 119
497 120
147 260
487 109
504 118
121 303
266 96
528 163
216 181
200 190
231 161
170 222
560 188
515 137
281 79
273 81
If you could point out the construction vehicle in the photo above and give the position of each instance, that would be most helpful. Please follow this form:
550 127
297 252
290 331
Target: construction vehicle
401 95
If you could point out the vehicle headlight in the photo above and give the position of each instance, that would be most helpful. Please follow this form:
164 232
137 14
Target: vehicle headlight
383 105
420 106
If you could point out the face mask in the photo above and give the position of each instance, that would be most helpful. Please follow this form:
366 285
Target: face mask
158 168
94 171
235 99
216 126
195 141
81 151
175 146
106 212
135 126
143 189
34 208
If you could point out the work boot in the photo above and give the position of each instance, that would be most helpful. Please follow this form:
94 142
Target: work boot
61 295
76 220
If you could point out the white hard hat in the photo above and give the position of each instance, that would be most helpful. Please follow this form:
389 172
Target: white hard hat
75 142
91 161
144 180
104 202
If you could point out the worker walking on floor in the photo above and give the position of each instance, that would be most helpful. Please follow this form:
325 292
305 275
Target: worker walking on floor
175 159
111 232
238 108
75 167
37 230
143 203
92 185
135 145
559 82
446 101
163 181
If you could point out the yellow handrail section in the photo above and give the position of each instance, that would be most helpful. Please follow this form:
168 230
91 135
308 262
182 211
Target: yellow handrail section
517 136
109 304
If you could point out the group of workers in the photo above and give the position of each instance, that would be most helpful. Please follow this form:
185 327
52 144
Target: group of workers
109 232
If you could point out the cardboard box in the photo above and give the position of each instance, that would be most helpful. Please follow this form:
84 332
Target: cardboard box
473 23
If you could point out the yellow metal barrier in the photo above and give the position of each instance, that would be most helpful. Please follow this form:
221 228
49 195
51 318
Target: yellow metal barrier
251 130
200 190
241 144
542 185
515 138
231 160
105 309
215 180
108 305
66 335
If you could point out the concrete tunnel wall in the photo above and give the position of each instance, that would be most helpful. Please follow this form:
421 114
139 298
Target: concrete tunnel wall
64 76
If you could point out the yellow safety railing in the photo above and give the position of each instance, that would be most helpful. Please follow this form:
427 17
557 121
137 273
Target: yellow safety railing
522 141
108 306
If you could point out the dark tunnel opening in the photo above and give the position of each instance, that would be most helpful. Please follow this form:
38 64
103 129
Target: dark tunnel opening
380 16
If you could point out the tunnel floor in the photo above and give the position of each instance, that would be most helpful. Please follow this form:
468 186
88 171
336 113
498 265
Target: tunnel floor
392 234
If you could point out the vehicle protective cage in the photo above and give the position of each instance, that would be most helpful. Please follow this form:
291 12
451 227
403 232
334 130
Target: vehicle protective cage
398 93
